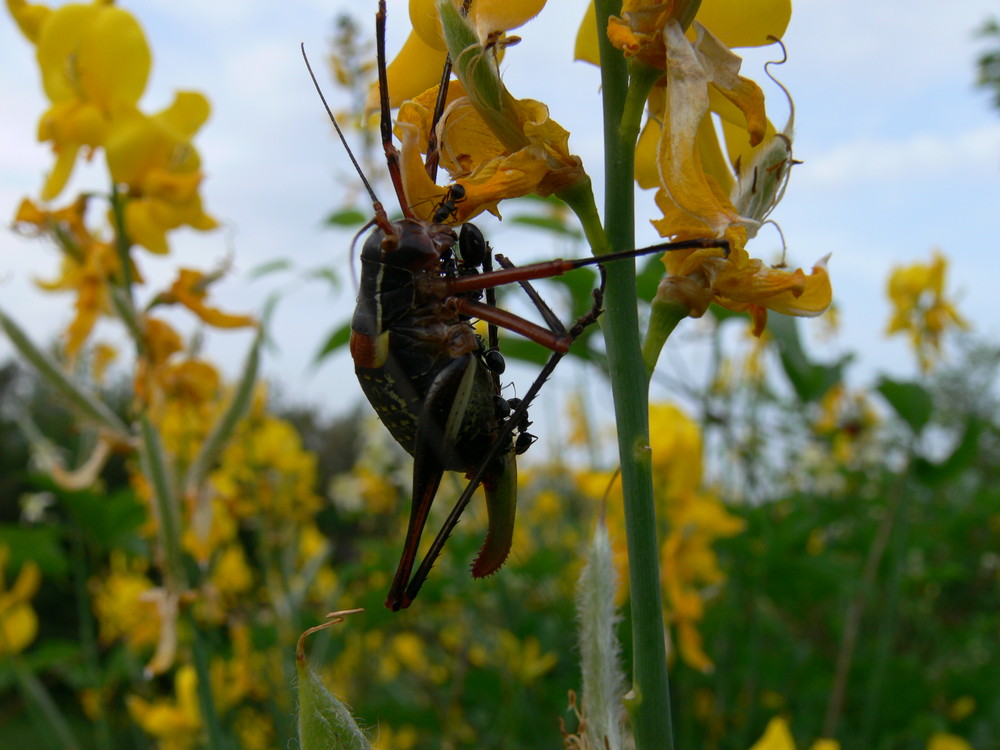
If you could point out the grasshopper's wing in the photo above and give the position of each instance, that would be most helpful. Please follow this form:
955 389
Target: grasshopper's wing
437 430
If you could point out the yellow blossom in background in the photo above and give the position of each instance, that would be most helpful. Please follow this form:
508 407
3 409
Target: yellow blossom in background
122 605
191 290
153 157
921 308
18 621
524 659
848 420
400 738
945 741
265 473
254 729
694 521
777 736
94 61
88 264
174 722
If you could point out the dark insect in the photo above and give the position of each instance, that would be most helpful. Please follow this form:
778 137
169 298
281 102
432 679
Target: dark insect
433 382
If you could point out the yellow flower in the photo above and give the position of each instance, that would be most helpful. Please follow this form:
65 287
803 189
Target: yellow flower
175 723
123 606
418 65
921 307
524 660
266 474
693 521
945 741
191 290
154 158
18 621
493 145
777 736
94 62
701 191
89 266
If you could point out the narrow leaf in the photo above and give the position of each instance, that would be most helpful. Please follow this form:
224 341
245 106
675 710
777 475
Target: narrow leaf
338 337
911 402
84 402
223 428
348 217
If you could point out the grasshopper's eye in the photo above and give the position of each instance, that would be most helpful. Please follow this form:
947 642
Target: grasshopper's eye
472 247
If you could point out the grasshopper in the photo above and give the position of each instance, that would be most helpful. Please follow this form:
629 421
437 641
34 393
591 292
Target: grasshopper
432 380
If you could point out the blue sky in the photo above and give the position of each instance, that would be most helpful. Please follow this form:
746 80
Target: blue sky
901 154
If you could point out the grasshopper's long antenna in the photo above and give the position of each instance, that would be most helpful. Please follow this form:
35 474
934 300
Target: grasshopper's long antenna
376 203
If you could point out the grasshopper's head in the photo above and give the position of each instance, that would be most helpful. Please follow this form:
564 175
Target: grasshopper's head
411 244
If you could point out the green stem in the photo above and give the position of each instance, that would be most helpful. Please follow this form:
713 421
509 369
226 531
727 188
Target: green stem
648 702
40 701
206 703
88 637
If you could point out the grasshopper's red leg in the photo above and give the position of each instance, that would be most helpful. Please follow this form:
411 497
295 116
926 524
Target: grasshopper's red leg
508 427
436 434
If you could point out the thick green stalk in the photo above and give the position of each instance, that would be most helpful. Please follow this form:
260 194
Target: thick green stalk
648 702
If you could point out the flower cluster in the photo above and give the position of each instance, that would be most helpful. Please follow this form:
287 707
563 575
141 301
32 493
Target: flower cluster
921 307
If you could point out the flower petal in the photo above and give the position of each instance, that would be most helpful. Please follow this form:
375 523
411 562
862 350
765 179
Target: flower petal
745 23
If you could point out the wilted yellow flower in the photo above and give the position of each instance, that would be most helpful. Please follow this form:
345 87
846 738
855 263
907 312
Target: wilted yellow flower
18 621
493 145
94 62
89 265
701 191
191 290
487 169
921 307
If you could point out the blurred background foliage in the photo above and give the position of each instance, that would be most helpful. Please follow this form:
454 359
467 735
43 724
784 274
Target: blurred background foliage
867 542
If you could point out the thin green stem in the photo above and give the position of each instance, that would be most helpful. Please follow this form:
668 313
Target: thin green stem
88 637
213 728
856 609
648 702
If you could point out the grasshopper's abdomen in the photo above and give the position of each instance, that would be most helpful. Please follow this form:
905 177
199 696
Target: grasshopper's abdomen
414 355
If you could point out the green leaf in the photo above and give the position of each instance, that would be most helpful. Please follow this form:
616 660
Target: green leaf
335 340
223 429
41 544
265 269
911 402
961 458
547 223
328 275
347 217
83 401
810 380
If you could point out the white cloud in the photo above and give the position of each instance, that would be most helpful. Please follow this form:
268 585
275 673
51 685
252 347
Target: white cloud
916 158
